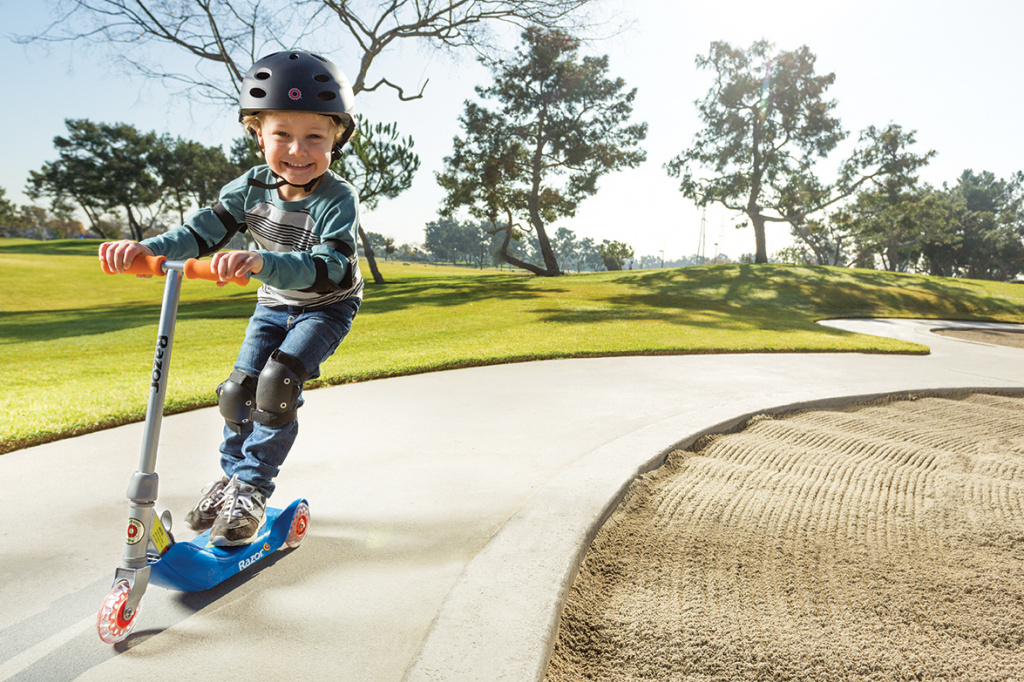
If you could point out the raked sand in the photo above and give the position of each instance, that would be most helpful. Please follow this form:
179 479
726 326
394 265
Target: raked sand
881 541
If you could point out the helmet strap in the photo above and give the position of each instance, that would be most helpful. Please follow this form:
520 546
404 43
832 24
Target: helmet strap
308 187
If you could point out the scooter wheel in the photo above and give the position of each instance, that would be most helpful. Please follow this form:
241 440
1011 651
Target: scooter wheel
111 622
300 524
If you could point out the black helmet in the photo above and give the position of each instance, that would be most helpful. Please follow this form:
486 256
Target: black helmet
299 81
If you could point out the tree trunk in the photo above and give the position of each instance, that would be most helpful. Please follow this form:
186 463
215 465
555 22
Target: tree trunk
370 260
753 209
837 254
512 260
550 261
94 222
133 225
892 254
819 252
757 220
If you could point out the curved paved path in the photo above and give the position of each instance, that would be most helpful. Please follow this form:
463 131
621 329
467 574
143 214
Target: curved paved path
450 511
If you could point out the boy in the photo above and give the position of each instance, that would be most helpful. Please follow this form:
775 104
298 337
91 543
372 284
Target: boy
299 109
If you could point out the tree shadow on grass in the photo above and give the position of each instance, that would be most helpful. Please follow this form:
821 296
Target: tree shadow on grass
48 325
785 298
736 297
447 291
66 247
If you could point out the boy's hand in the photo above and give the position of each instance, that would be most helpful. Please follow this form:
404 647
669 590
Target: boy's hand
118 256
228 264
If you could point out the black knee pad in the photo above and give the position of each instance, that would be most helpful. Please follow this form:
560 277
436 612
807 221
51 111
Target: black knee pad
236 398
277 391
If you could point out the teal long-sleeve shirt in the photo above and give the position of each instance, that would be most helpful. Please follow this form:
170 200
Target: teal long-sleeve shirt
303 243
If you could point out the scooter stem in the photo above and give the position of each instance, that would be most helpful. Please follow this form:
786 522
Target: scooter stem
144 485
161 370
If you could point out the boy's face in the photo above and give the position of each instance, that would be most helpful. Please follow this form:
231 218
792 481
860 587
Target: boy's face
297 146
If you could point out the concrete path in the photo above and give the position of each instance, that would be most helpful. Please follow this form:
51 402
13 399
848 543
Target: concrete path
449 511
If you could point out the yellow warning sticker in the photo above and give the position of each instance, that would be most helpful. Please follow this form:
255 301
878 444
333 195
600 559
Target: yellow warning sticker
159 536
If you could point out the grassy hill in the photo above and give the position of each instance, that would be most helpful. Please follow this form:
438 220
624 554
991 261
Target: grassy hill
76 346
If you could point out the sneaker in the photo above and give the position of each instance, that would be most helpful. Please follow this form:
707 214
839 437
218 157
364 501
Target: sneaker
202 515
240 517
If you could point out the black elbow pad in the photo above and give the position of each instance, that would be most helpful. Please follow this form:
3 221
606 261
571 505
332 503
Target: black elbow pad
323 283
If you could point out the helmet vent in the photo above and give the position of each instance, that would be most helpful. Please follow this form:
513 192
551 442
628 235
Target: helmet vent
321 78
293 56
262 75
325 96
257 93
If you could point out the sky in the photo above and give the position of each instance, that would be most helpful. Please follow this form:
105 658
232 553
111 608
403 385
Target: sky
946 69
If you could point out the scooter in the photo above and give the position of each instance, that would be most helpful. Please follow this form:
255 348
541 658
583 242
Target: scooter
151 554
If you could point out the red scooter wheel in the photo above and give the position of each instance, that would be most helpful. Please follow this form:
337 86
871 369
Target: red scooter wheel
111 622
300 524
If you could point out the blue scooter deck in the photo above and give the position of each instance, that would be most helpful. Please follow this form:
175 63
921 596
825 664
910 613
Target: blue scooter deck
196 565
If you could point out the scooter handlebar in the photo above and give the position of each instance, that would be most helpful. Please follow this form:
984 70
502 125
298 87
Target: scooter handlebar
141 265
154 265
200 269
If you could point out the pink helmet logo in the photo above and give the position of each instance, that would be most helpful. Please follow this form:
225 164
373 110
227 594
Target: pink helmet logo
294 94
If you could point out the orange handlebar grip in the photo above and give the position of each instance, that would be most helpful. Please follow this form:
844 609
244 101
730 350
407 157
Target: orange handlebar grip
141 265
200 269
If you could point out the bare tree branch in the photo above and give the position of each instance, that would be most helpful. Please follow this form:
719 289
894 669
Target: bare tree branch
232 34
401 93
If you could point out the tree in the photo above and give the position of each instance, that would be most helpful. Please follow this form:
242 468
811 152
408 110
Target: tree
985 218
102 167
891 217
389 247
448 239
480 243
8 213
567 249
615 254
767 123
895 229
191 174
411 252
488 163
36 222
825 241
245 153
440 240
561 125
380 242
894 216
993 224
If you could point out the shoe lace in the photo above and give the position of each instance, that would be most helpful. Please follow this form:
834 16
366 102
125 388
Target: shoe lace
215 496
242 501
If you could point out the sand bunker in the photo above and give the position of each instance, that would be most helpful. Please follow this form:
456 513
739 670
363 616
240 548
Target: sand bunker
998 337
877 542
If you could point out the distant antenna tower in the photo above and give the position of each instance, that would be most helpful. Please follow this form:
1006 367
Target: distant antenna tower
700 240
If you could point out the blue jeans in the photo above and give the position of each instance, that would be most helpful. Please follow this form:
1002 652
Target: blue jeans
309 335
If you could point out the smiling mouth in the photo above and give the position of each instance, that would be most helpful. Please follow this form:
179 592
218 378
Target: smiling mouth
297 167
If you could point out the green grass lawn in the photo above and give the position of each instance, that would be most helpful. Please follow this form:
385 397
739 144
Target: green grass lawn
76 346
